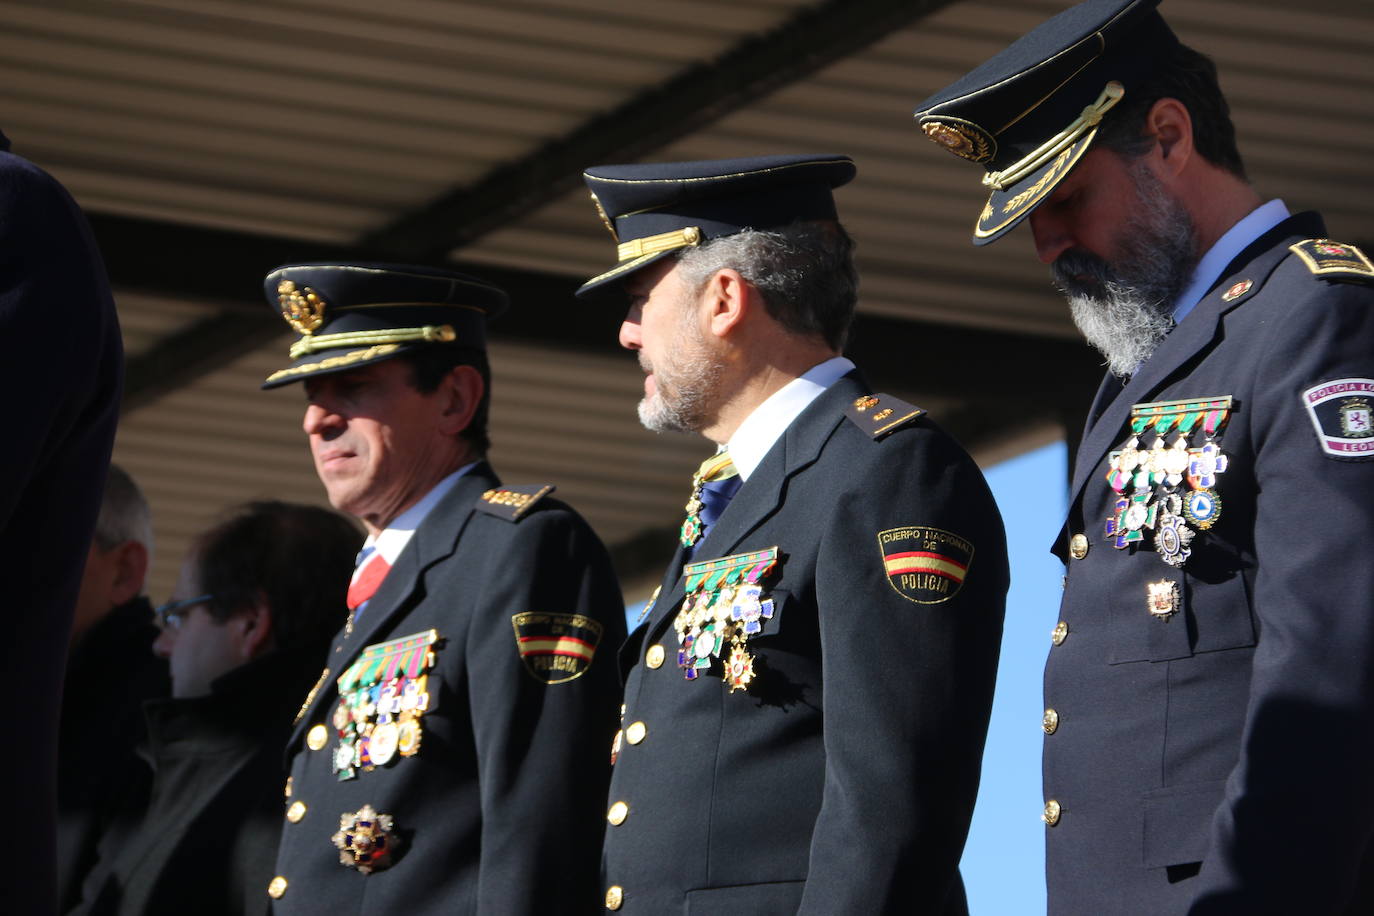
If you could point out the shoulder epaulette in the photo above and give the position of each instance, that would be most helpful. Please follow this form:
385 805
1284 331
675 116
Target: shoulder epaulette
880 414
1334 260
511 503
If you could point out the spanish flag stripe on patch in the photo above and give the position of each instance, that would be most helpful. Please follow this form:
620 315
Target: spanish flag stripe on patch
920 562
564 645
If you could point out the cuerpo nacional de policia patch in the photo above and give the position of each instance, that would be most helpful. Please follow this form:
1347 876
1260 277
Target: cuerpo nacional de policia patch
556 647
925 565
1342 410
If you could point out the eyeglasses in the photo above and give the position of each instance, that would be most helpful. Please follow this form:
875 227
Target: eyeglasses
169 616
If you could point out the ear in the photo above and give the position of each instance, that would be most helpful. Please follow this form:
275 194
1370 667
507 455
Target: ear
727 298
1172 127
461 391
130 571
251 627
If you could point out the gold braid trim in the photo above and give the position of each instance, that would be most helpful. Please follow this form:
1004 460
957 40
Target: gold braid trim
334 362
442 333
653 244
1091 117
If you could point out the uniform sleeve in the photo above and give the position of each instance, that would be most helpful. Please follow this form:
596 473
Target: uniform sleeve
55 323
911 585
545 696
1298 813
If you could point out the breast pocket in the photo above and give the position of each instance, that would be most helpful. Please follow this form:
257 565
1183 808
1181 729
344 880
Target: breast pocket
1174 614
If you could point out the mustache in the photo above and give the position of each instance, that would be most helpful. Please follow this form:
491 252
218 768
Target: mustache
1077 272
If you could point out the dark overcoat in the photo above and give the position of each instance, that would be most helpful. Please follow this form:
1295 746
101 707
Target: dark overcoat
62 363
498 808
1210 751
842 777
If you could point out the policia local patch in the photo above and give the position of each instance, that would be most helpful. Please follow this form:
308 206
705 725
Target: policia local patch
1342 410
925 565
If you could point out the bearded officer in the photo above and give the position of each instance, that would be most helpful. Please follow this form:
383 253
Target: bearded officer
451 758
807 698
1209 714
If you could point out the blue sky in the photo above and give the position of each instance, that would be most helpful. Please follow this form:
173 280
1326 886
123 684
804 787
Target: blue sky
1004 859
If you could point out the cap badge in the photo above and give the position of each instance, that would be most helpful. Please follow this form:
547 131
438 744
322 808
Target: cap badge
303 309
962 138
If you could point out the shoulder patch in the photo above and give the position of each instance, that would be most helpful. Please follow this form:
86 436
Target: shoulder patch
880 414
1342 411
925 565
556 647
1334 260
511 503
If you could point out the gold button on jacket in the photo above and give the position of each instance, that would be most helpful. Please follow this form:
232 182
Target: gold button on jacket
1052 812
276 888
295 812
615 896
636 732
317 737
1061 633
619 811
1078 546
654 657
1051 722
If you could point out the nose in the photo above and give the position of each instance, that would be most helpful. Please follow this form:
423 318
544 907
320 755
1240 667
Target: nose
630 331
1051 239
318 419
162 646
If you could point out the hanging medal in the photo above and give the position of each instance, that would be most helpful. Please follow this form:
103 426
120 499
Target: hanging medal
381 698
725 604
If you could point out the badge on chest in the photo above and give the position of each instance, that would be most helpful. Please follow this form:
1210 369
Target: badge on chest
1165 475
382 697
726 604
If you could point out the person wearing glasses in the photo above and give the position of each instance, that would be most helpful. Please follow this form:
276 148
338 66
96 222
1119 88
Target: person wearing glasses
251 615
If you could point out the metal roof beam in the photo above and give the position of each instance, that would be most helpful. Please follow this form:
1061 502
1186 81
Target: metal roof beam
1008 378
699 95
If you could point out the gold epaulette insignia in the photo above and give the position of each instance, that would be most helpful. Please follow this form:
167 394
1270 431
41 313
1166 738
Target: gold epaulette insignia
511 503
1334 260
880 414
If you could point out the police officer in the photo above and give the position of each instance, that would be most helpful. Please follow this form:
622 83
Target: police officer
451 758
807 697
1209 720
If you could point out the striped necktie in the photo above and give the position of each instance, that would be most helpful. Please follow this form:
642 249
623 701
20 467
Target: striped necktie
713 485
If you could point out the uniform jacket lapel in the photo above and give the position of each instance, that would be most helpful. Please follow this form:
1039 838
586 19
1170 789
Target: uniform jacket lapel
761 495
1192 336
435 539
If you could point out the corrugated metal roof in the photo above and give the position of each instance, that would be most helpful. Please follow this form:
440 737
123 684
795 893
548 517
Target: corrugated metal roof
327 119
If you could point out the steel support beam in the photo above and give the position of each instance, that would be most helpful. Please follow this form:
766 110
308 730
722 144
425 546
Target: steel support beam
683 104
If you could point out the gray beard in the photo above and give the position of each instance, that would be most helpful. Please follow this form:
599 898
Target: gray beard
1124 307
685 396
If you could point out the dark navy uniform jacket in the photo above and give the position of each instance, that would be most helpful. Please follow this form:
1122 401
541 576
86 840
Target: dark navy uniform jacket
499 808
61 365
1238 731
842 779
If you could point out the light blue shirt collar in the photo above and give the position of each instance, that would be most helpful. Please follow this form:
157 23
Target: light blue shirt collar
1233 242
390 542
756 435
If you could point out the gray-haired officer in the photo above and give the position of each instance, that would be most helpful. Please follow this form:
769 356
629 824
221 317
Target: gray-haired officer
1209 720
451 758
807 698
